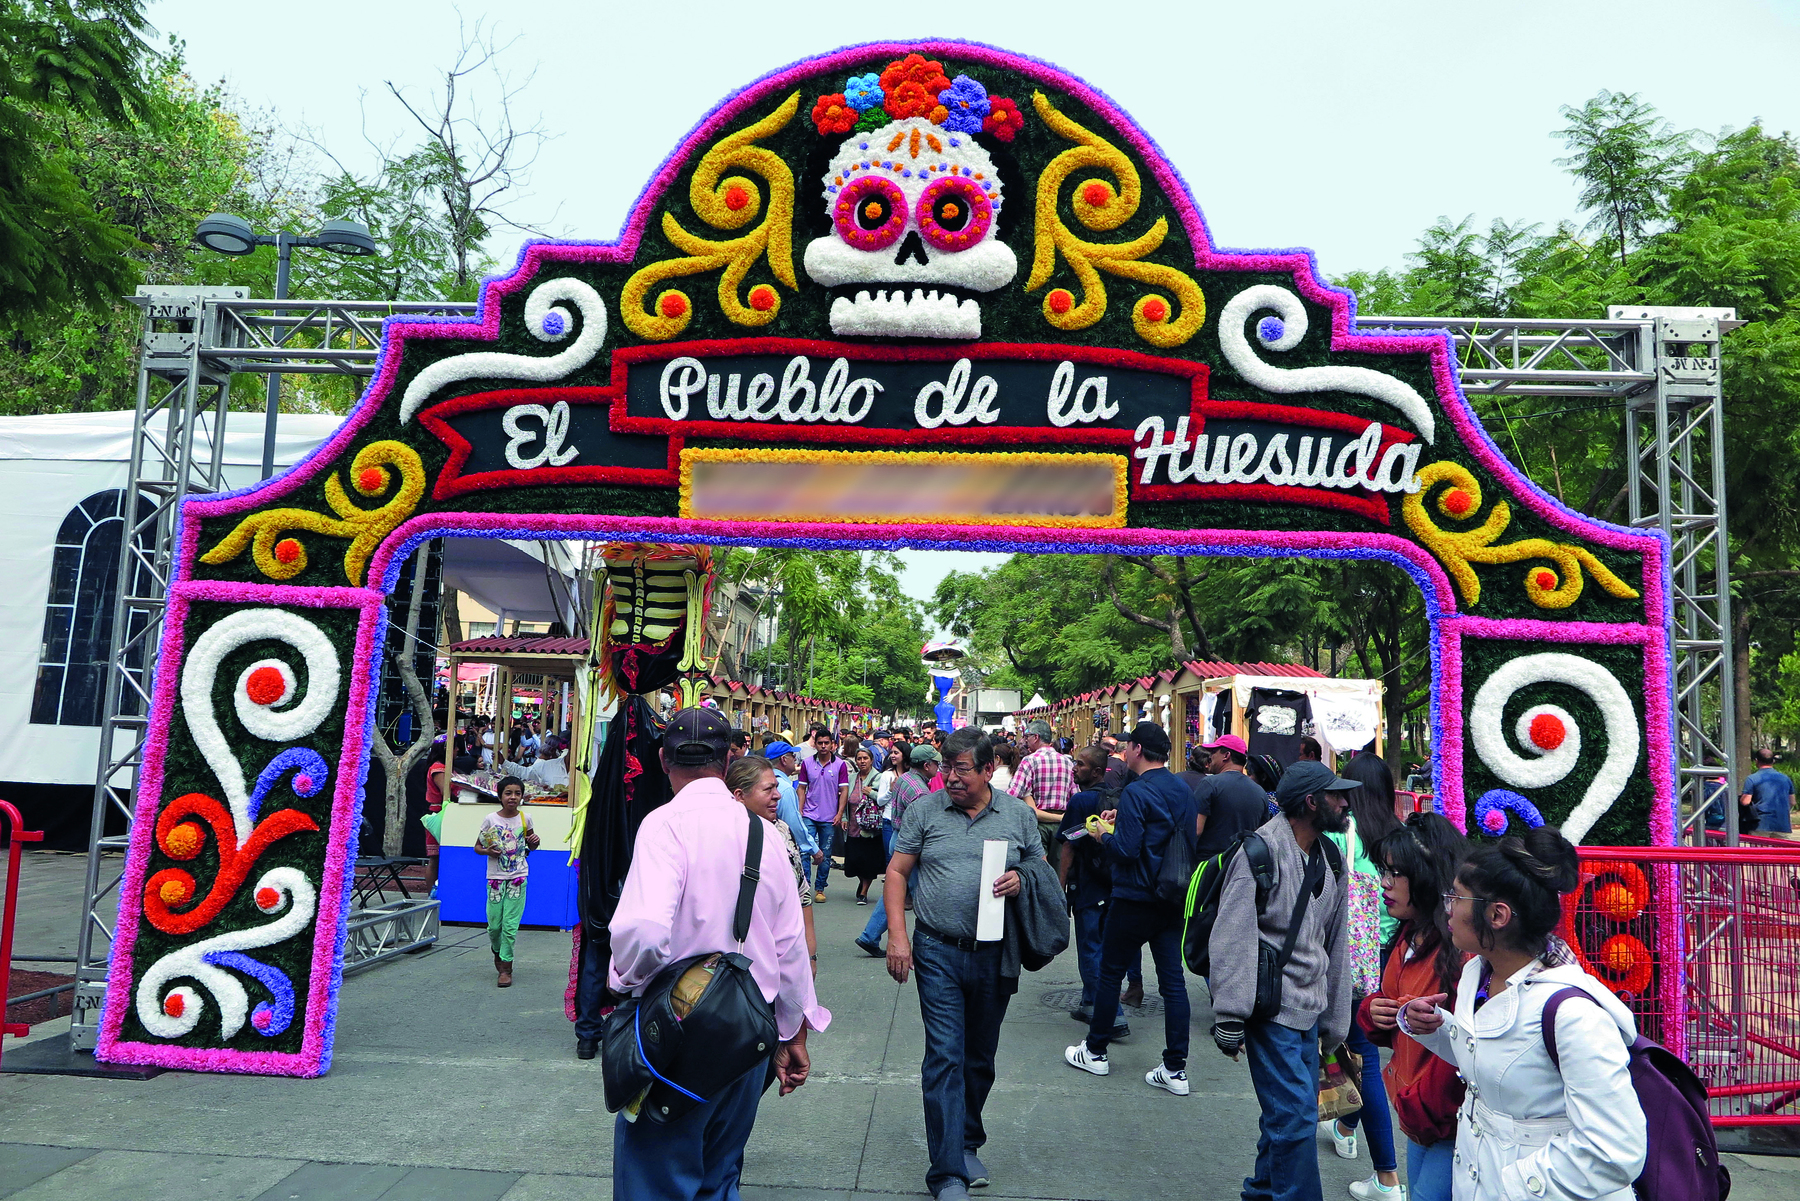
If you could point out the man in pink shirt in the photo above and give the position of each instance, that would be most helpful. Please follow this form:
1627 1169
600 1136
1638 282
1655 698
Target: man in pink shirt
679 900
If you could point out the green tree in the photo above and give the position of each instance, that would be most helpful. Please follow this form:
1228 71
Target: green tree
65 66
1628 160
185 152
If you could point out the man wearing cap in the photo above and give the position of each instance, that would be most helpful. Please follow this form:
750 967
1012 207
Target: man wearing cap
908 788
1154 810
679 900
1315 982
1229 801
781 756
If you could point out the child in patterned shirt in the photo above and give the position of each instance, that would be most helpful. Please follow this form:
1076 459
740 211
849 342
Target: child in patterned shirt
506 838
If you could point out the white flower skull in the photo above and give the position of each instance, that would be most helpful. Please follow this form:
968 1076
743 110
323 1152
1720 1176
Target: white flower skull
915 206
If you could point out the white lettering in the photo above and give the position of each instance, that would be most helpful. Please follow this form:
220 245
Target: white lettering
1102 407
832 390
1275 466
674 392
983 399
762 387
1243 453
794 382
1399 469
869 388
555 430
1061 385
949 394
1157 448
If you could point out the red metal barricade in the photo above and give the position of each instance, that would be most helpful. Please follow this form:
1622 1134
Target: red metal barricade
17 837
1703 944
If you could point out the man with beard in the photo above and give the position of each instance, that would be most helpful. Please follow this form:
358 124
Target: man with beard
1314 997
962 992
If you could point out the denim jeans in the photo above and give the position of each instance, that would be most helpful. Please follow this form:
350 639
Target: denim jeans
1090 926
1284 1070
1129 925
697 1158
887 838
1377 1124
821 832
590 984
877 925
963 999
1428 1170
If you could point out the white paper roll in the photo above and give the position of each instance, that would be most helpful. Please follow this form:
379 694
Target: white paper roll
990 916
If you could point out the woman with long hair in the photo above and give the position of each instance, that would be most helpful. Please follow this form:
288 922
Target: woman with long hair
1371 821
751 780
864 856
1418 866
1373 804
1532 1125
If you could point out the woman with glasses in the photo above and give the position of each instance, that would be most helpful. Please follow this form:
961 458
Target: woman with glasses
1418 865
1531 1126
1371 927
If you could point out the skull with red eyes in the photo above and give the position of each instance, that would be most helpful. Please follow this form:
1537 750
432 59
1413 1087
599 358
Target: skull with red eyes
913 211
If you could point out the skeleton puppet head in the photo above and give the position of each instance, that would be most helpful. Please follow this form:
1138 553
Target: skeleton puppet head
913 211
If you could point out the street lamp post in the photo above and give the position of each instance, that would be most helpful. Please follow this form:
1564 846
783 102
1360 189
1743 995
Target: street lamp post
228 234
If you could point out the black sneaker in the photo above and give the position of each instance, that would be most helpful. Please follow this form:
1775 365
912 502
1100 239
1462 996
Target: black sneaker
1084 1014
872 949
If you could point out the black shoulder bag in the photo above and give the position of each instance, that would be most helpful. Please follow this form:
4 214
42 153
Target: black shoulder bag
1270 963
701 1024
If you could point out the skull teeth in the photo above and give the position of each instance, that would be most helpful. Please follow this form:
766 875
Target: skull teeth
922 314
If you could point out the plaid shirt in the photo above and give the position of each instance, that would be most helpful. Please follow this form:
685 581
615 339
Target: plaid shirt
1046 778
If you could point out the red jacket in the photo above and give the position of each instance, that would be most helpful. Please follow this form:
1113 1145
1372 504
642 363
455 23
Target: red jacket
1425 1090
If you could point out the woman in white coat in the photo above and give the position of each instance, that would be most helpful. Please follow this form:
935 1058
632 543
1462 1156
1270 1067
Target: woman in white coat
1526 1130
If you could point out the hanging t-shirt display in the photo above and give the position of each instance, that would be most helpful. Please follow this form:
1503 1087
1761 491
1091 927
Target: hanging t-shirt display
1276 719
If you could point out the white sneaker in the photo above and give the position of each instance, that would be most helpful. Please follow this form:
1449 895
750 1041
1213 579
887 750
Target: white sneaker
1343 1144
1161 1077
1078 1056
1373 1190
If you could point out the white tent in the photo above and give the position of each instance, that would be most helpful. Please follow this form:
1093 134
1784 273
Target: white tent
48 467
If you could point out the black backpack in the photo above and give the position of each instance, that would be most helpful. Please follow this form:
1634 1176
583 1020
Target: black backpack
1207 883
1175 876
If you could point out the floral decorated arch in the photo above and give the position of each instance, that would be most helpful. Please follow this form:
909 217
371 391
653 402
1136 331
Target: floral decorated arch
926 294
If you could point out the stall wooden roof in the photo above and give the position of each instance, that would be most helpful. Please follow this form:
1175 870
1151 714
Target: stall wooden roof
525 653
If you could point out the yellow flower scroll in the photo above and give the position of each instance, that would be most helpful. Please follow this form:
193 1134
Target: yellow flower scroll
1101 205
1547 588
282 557
726 202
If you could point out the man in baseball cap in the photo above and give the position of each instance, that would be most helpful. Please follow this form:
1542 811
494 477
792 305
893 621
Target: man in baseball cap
697 737
1228 800
784 758
1220 751
681 892
1310 875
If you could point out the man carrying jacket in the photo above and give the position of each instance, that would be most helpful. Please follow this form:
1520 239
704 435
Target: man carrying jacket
1314 1003
1155 809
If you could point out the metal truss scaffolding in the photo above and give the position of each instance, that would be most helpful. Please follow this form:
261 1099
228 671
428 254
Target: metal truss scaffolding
195 339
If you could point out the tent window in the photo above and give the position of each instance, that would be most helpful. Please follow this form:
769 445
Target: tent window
78 620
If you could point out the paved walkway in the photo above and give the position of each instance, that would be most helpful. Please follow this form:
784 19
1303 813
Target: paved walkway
446 1087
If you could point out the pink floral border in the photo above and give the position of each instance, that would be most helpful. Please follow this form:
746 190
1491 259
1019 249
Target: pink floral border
326 975
1448 627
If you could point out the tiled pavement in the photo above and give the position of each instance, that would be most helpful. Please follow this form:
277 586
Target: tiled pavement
444 1087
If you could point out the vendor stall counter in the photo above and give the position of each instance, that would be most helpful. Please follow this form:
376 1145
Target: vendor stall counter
462 874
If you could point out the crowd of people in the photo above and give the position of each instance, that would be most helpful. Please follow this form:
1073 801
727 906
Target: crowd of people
1337 929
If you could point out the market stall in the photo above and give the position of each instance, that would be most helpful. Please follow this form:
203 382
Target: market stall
549 667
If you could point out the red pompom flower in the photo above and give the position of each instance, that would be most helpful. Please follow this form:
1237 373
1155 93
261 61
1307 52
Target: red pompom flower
833 114
910 73
1003 120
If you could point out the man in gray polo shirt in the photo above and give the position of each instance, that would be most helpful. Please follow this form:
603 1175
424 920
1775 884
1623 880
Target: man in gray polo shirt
962 995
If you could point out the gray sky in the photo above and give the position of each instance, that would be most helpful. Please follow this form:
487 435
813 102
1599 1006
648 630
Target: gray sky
1344 128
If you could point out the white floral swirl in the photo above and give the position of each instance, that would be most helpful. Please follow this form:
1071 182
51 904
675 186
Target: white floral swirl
546 322
1287 380
154 1008
323 679
1548 767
